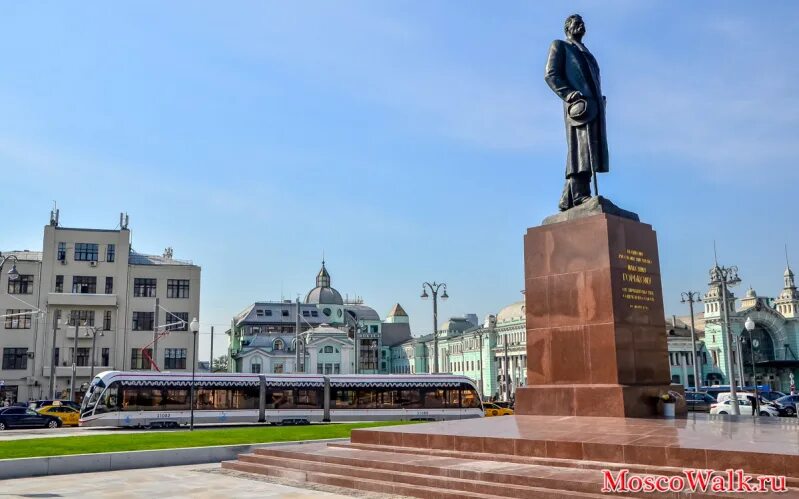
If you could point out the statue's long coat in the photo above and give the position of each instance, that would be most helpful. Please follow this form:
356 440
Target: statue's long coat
572 68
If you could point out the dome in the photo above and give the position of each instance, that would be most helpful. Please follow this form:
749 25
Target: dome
514 311
751 293
324 296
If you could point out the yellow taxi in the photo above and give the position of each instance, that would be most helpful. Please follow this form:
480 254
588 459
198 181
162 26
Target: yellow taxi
495 410
67 415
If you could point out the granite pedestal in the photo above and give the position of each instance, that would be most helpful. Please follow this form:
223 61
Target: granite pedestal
596 343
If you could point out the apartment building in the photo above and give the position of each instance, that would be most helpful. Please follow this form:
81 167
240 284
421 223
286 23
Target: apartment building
91 283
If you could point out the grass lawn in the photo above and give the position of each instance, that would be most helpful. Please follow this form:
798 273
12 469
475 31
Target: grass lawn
91 444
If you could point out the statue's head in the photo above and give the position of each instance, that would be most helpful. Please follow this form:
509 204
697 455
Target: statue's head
574 26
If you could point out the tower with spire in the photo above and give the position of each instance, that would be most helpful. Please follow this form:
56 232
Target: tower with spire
787 303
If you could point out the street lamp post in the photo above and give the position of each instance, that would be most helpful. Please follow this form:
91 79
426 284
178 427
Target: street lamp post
434 289
690 297
480 334
94 343
358 328
57 323
750 326
725 277
13 275
76 322
194 327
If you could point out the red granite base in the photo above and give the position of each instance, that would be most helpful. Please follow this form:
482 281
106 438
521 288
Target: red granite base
768 446
632 401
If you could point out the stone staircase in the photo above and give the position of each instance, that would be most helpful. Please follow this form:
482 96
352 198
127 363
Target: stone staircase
436 474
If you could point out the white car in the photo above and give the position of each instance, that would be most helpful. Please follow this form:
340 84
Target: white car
745 407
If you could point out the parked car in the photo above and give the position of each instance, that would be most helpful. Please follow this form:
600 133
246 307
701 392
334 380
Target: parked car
772 395
42 403
699 401
68 415
21 417
745 406
492 409
787 405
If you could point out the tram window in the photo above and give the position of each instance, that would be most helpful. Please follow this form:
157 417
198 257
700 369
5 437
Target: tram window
129 398
148 399
212 398
344 399
388 399
367 399
308 399
411 399
434 398
108 402
246 397
282 399
453 398
469 398
176 399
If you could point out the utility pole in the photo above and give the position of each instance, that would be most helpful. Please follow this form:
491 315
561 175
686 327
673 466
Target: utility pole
211 365
52 354
507 379
297 340
74 359
690 297
155 337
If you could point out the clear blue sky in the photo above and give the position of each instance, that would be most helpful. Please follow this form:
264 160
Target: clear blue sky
409 141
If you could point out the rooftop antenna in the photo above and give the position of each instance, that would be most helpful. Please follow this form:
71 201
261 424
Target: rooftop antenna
787 263
54 215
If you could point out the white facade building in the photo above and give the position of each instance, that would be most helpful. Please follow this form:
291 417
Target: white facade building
93 278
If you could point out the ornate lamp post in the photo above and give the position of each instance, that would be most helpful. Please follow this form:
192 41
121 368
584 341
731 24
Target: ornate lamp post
690 297
13 275
725 277
194 327
750 326
434 289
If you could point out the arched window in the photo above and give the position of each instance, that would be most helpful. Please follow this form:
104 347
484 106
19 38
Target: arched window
278 344
328 349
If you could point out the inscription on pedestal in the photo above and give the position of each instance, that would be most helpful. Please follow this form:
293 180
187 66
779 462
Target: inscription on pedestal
638 291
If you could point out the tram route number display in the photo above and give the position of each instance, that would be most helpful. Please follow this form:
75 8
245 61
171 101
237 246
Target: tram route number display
637 286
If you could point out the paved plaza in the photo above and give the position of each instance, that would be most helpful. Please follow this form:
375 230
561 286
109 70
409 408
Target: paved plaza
196 481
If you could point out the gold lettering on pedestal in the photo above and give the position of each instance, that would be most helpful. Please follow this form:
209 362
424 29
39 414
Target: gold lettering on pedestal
638 290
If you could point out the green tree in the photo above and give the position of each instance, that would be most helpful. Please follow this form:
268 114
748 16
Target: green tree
220 364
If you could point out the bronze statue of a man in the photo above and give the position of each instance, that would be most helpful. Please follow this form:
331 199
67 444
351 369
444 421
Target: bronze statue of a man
573 74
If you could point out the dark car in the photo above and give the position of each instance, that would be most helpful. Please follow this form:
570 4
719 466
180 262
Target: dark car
787 405
21 417
43 403
699 401
772 395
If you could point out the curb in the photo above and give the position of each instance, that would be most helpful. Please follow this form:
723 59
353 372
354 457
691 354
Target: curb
112 461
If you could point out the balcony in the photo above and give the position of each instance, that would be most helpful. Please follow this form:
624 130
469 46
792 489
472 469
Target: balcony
81 300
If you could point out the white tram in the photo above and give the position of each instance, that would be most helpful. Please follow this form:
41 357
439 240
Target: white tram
150 399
